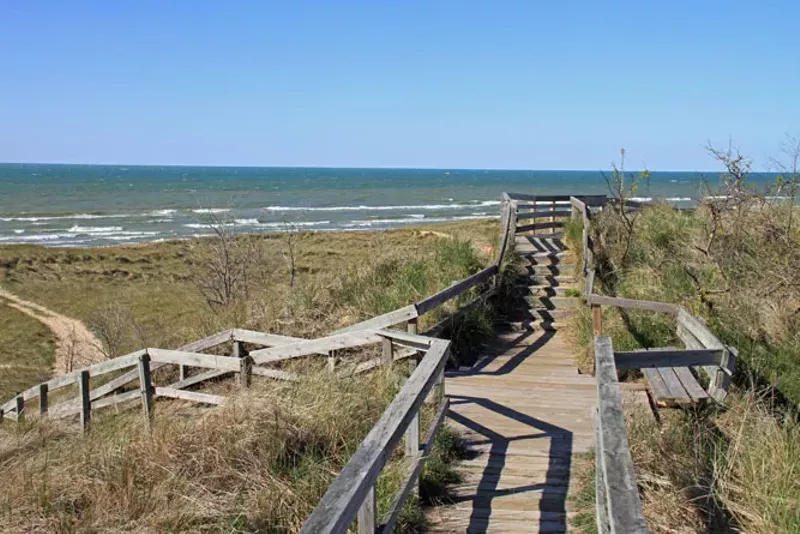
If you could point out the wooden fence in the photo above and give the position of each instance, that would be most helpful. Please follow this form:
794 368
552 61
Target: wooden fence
619 508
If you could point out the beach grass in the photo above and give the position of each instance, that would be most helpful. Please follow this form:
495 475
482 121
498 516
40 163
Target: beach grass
714 468
26 351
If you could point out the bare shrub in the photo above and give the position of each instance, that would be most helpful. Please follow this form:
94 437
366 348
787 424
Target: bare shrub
112 324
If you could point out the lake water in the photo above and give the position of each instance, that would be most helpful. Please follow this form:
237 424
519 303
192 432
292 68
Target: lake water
87 205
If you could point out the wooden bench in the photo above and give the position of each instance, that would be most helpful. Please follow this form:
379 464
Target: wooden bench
669 375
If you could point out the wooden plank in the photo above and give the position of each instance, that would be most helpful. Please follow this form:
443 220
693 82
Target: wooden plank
690 384
699 330
624 506
543 213
199 378
540 226
116 399
208 342
676 390
382 321
261 338
641 359
657 386
211 361
315 346
205 398
414 341
589 200
336 510
414 470
661 307
367 513
601 499
453 291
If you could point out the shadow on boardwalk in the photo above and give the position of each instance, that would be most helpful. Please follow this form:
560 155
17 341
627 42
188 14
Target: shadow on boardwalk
553 494
524 411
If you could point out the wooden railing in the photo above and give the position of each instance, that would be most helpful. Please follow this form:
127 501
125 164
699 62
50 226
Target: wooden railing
619 508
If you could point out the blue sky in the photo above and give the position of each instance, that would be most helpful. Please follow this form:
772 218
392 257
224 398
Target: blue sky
532 85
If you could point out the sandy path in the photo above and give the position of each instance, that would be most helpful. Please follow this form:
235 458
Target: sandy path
76 346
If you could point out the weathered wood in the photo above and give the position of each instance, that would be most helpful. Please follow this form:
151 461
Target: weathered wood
315 346
588 286
205 398
661 307
337 508
115 399
146 388
505 226
386 351
43 399
367 514
19 406
262 338
414 341
640 359
601 499
540 226
382 321
410 482
245 372
198 378
695 334
86 401
453 291
624 504
588 200
597 320
676 390
544 213
657 386
210 361
208 342
690 384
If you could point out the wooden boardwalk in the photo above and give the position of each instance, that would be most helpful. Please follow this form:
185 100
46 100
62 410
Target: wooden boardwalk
524 413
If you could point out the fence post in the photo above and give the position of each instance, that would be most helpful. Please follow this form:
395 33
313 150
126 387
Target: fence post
332 361
386 352
86 401
597 320
19 403
146 388
43 400
183 372
367 514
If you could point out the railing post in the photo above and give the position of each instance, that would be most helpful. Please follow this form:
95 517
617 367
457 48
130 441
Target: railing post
386 352
146 388
86 400
43 400
245 371
332 361
183 372
367 514
597 320
245 365
19 403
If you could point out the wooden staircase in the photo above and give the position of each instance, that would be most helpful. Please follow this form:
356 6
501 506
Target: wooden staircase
542 289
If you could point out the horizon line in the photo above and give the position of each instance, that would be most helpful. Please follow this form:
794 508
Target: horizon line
403 167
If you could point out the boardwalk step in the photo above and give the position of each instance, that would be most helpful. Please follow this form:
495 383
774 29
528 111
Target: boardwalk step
541 314
551 303
525 289
538 254
546 280
532 326
549 270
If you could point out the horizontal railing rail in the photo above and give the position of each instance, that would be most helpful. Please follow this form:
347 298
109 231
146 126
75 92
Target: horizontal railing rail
619 508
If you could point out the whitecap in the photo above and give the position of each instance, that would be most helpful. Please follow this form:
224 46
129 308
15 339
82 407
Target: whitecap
211 210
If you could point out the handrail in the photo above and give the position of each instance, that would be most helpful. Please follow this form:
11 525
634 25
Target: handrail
353 491
619 508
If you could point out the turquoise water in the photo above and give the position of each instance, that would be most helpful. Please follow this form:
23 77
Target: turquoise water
84 205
